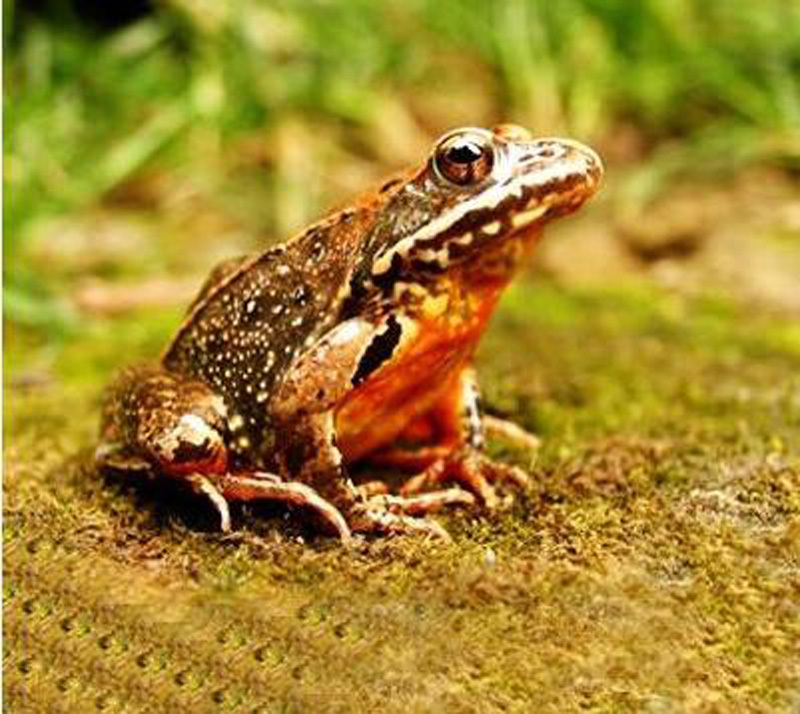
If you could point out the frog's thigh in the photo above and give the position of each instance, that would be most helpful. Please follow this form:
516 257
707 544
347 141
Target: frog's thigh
154 418
168 420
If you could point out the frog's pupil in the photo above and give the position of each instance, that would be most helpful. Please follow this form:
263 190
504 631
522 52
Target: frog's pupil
464 153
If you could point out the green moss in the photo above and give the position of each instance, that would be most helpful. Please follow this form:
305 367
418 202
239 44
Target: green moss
652 565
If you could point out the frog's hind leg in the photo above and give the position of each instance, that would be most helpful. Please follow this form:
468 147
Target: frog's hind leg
161 423
110 456
203 485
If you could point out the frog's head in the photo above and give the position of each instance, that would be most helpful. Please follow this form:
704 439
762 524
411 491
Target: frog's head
478 189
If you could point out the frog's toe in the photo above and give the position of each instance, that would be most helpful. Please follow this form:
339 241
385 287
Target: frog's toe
203 485
385 514
423 503
371 518
258 486
509 431
472 470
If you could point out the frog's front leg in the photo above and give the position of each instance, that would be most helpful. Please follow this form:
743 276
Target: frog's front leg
460 428
175 427
303 412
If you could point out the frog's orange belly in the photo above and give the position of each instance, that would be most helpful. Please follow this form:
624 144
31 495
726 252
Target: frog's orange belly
375 413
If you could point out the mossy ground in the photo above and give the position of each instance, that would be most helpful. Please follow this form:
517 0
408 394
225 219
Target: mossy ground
654 565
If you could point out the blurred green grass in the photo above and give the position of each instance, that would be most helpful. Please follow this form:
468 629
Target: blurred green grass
667 86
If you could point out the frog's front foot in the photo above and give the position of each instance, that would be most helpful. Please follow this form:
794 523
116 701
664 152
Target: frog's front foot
473 470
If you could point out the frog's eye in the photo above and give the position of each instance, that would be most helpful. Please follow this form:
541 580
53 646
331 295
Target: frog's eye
464 159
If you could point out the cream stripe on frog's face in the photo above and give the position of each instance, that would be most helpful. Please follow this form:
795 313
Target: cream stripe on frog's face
527 180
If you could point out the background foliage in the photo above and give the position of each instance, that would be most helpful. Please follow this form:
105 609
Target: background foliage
96 97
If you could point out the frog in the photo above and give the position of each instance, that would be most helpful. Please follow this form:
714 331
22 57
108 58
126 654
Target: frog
354 342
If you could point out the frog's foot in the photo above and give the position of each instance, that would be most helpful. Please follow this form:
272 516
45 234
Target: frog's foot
401 515
505 430
263 486
371 518
473 470
423 503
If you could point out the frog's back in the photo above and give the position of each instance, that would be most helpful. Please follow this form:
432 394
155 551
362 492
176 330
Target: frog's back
253 315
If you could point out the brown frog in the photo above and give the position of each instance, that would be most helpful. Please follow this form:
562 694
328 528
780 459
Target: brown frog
351 339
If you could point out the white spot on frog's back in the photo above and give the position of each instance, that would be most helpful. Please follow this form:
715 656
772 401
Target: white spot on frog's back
236 422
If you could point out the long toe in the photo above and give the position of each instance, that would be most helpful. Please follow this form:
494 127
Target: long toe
259 486
510 432
473 471
424 503
372 520
201 484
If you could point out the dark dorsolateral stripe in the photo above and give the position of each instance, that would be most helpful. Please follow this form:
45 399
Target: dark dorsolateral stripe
380 349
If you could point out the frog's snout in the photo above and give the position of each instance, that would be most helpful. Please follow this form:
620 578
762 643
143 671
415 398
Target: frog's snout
559 174
567 157
593 167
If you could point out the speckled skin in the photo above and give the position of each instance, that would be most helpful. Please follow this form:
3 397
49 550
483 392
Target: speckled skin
354 336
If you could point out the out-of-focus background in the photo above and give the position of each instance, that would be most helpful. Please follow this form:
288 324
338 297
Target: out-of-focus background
143 140
654 346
